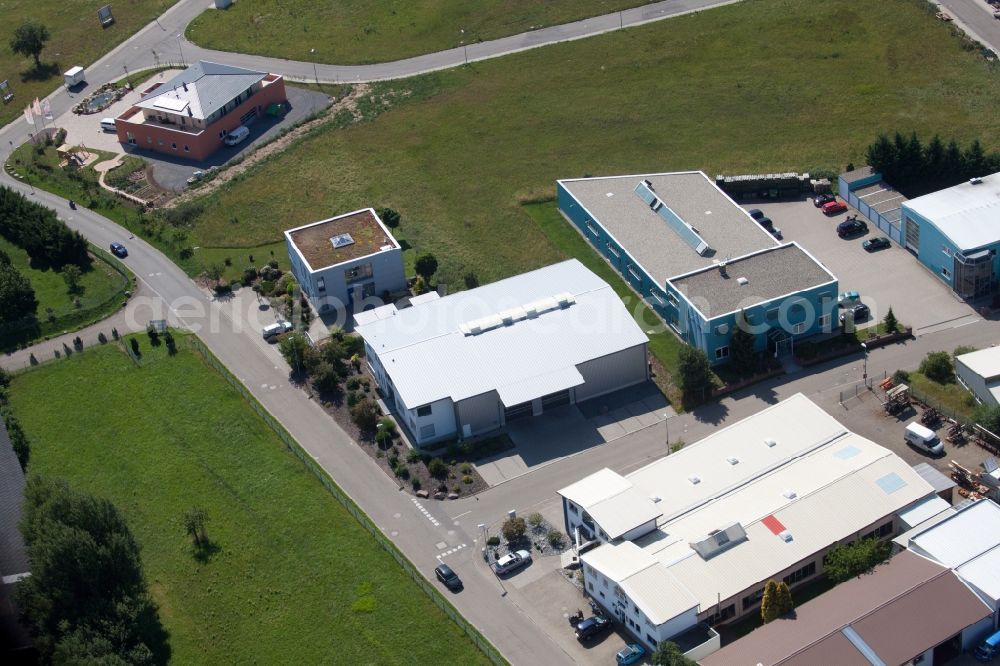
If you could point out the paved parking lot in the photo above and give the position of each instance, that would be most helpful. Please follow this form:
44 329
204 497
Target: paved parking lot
889 277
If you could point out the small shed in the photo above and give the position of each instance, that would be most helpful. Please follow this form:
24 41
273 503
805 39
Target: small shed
223 4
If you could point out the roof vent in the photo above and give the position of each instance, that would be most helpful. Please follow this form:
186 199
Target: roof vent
742 281
786 536
789 494
976 180
654 499
694 479
732 460
770 443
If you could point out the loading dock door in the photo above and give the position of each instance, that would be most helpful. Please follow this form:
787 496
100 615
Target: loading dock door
517 412
912 235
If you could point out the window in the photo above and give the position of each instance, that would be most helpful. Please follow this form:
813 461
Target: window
634 273
591 228
798 328
650 639
573 509
671 298
321 285
590 586
427 431
722 615
358 273
425 410
800 574
879 532
947 252
945 272
721 353
824 322
753 599
149 139
656 297
614 251
186 149
772 314
174 146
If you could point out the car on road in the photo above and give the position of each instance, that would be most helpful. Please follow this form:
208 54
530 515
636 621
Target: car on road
851 227
119 250
756 213
272 331
448 577
630 654
823 199
873 244
860 310
592 627
848 299
511 561
834 207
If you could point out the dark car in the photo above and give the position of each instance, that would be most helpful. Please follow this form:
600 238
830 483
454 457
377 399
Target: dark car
860 311
765 222
873 244
591 627
851 227
823 199
448 577
119 250
755 213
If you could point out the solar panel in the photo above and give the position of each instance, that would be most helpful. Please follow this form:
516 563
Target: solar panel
342 240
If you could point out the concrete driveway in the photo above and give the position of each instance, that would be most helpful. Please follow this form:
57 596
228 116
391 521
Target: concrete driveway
890 277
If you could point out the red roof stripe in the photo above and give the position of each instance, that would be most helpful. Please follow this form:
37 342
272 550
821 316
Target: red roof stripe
773 524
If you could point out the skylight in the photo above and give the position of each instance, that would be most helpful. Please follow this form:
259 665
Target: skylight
342 240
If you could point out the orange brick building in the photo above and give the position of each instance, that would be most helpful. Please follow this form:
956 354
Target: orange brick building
190 115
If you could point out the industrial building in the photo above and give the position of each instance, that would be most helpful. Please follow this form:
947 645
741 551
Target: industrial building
190 115
467 364
693 538
979 371
908 611
346 262
699 260
954 232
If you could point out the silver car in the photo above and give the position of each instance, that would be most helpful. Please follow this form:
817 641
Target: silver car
512 561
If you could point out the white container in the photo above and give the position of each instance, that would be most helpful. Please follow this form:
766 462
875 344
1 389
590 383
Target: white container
74 76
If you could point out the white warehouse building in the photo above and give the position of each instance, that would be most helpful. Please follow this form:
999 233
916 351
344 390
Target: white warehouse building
347 261
691 539
469 363
979 371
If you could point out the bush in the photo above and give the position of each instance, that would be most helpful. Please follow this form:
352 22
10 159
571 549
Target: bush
466 468
353 384
415 483
493 541
365 414
353 398
535 519
938 367
383 437
555 538
386 424
901 377
988 416
413 456
437 468
103 339
846 562
402 471
389 217
325 379
468 480
963 349
513 529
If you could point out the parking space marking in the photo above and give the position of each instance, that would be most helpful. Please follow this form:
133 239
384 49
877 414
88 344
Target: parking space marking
427 514
451 551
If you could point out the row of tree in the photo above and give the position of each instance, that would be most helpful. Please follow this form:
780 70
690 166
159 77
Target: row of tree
915 169
17 296
86 600
37 230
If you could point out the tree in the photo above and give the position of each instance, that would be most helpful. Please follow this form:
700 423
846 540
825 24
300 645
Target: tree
293 348
326 379
987 416
741 348
669 654
389 217
890 321
695 372
962 349
365 414
71 274
29 40
18 440
784 599
87 586
881 155
769 609
17 297
938 367
194 525
426 265
513 529
846 562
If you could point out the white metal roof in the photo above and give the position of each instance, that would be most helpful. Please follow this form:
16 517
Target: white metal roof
658 594
983 574
430 353
619 561
966 213
368 316
592 489
924 510
964 536
622 512
201 89
544 383
984 362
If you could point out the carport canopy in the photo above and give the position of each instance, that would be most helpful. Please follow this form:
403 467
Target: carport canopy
532 388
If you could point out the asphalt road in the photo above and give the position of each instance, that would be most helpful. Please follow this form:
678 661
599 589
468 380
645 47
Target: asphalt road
975 17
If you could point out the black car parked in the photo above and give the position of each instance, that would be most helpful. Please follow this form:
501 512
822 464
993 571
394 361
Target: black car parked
448 577
591 627
851 227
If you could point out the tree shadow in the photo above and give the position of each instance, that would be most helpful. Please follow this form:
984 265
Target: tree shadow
154 634
42 72
205 550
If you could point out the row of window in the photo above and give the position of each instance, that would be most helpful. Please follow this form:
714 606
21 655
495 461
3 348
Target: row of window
794 577
721 615
879 532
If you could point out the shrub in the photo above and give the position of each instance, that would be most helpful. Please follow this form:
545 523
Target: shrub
890 321
413 456
467 480
535 519
938 367
493 541
963 349
386 424
901 376
513 529
425 266
325 379
103 339
846 562
383 437
353 398
401 471
466 468
389 217
114 333
353 384
555 538
437 468
415 482
135 346
365 414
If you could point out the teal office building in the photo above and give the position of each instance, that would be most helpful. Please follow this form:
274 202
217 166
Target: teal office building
701 262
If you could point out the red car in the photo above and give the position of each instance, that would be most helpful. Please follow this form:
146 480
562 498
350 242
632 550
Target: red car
834 207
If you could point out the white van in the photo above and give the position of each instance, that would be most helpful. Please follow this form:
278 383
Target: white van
236 136
923 438
108 125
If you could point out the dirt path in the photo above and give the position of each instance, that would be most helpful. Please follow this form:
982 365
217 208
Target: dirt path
349 102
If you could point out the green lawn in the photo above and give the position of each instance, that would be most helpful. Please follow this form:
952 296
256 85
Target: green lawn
295 579
751 87
365 31
103 292
952 398
76 39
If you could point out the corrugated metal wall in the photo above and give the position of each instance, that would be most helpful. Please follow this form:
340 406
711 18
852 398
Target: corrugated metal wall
612 372
482 412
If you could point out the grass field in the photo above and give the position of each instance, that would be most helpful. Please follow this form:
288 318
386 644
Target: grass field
76 39
103 291
294 578
952 398
365 31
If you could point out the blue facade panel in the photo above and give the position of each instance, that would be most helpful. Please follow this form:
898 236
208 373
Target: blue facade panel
934 250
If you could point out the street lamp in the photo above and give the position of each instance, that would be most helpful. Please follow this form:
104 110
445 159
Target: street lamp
315 75
666 423
465 47
127 82
864 349
483 529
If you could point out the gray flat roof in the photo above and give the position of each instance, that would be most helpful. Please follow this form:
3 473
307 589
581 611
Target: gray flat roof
643 234
770 274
